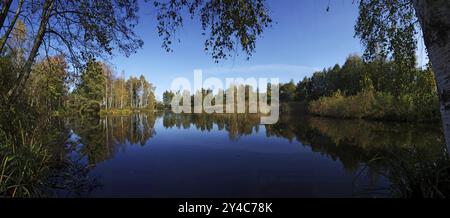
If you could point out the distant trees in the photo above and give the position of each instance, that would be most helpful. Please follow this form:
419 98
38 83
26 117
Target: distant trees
99 88
359 89
93 82
237 98
373 90
139 93
288 91
167 99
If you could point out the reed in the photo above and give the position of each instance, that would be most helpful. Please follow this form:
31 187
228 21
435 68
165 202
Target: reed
25 165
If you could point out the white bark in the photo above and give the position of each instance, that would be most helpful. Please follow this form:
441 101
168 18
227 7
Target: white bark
106 92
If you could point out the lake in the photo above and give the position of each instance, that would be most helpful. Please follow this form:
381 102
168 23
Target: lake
173 155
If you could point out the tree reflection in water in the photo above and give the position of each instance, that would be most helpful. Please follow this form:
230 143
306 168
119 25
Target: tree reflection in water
102 137
411 156
237 125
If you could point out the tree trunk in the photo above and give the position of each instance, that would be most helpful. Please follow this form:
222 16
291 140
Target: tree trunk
5 11
434 18
4 39
122 90
106 91
111 99
131 94
26 70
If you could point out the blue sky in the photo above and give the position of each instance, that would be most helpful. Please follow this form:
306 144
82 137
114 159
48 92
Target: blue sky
304 38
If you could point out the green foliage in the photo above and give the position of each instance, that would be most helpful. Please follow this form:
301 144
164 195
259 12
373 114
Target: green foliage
387 29
24 166
31 140
92 85
347 79
418 172
369 104
9 65
99 89
229 25
47 87
374 90
287 91
357 106
89 94
167 99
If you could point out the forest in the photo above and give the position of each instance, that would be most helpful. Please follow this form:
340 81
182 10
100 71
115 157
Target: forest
375 90
52 89
100 90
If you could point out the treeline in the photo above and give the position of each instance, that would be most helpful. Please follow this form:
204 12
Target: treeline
99 88
218 100
379 90
51 88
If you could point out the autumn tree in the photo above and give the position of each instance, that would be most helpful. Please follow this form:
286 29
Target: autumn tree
47 88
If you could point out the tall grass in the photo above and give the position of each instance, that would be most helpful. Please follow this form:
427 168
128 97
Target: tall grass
418 173
24 166
35 165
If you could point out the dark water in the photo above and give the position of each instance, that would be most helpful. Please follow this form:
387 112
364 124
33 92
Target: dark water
172 155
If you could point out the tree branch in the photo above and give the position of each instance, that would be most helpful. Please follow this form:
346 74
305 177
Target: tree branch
5 11
11 26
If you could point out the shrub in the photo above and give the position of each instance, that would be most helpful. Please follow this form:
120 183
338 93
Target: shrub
369 104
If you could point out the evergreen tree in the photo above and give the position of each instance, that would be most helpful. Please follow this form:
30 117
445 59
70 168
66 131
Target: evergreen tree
93 81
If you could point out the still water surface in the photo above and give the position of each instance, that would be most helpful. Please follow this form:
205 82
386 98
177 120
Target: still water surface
168 155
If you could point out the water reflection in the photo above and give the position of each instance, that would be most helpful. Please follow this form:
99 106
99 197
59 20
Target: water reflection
102 138
353 142
237 125
406 155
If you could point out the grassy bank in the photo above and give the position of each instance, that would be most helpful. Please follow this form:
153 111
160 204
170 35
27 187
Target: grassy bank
372 105
123 112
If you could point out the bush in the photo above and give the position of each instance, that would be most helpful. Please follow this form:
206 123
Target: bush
369 104
358 106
